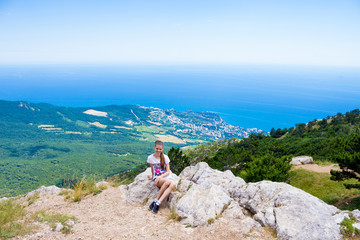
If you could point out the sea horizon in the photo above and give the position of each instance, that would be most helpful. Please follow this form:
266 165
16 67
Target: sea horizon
250 96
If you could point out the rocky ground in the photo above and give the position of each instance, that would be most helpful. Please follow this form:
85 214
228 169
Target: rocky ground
109 216
219 204
318 168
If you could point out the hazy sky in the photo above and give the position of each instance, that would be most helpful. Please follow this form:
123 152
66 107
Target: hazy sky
310 32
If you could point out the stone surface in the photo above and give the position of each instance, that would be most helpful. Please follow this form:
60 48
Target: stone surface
301 160
356 214
204 193
294 213
101 183
58 227
201 203
44 190
142 189
70 222
233 211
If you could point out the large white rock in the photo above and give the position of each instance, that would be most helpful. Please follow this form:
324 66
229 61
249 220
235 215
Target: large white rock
233 211
201 172
142 189
44 190
203 193
301 160
294 213
201 203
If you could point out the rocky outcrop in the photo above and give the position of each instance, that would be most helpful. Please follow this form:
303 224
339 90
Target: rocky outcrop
301 160
44 190
294 213
142 189
204 194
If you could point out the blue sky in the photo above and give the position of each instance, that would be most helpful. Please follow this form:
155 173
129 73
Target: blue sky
307 32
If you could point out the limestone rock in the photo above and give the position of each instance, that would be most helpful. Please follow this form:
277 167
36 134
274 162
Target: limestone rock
356 214
201 172
142 189
104 183
204 193
233 211
44 190
294 213
301 160
58 227
70 222
201 203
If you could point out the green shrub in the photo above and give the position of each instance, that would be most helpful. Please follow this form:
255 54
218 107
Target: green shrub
174 215
347 228
268 167
211 221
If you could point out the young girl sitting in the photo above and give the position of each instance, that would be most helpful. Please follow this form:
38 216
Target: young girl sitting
161 175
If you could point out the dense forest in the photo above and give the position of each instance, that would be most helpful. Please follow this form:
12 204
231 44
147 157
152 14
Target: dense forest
43 144
267 157
262 156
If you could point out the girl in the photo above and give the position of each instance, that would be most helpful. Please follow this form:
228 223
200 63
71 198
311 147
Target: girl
161 175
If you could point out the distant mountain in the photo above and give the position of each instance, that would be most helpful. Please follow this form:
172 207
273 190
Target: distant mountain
46 144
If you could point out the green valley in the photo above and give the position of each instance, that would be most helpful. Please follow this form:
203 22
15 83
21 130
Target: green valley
43 144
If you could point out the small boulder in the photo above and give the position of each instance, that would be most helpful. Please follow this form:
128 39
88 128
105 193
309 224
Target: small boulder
301 160
233 211
44 190
356 214
58 227
102 183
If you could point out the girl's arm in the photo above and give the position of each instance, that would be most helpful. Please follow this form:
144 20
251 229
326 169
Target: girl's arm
151 177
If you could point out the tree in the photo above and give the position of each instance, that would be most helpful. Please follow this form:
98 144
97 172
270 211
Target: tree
178 160
299 130
349 161
268 167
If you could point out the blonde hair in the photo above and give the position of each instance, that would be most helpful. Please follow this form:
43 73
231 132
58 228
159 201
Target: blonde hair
162 157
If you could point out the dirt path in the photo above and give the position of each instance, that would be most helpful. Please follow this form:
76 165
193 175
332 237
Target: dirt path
317 168
108 216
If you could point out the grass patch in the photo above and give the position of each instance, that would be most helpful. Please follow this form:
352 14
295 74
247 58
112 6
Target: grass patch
351 204
348 230
13 219
272 231
320 185
174 215
33 198
53 219
82 188
211 221
65 192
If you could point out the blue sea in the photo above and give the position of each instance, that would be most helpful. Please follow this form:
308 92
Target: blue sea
251 96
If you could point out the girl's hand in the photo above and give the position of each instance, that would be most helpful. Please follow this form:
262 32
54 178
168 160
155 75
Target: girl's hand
150 177
157 180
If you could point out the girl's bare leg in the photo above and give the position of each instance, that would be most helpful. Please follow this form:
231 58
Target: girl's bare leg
162 185
167 190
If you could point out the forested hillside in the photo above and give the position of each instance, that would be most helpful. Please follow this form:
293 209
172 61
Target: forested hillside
43 144
263 156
